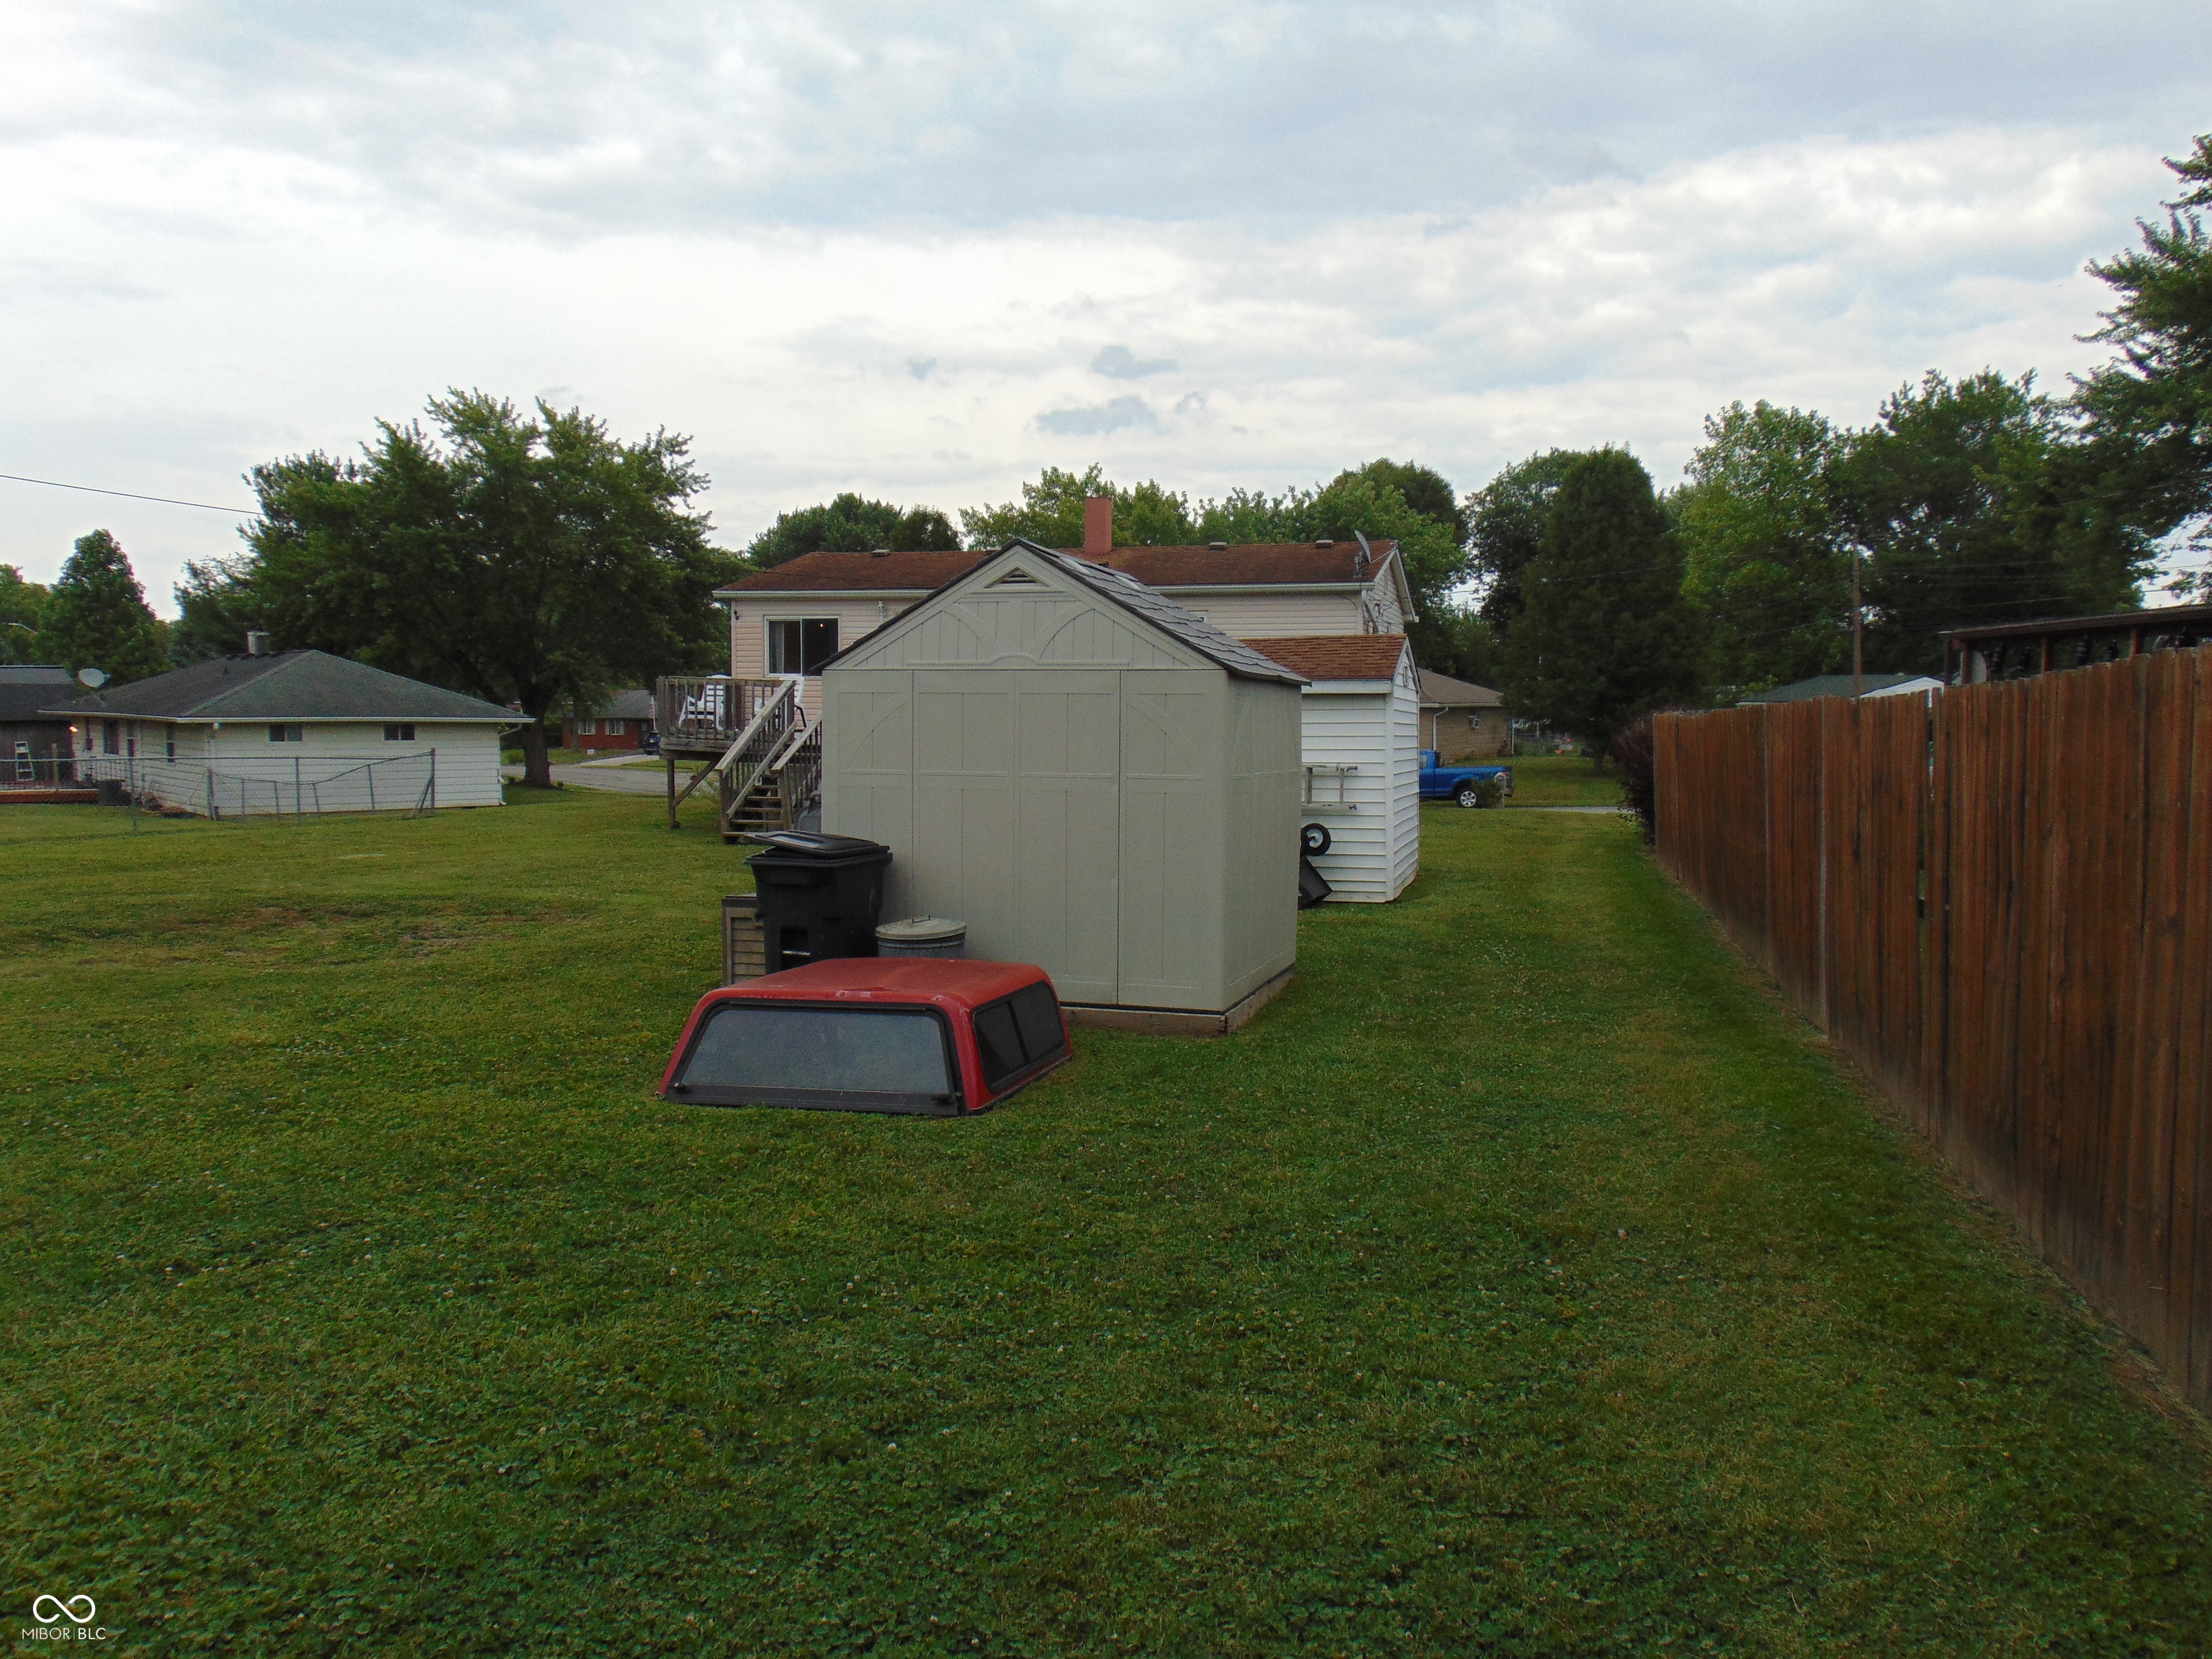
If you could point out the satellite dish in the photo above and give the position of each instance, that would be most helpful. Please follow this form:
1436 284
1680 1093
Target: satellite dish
95 678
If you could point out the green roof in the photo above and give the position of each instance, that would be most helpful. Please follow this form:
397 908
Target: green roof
288 685
1829 685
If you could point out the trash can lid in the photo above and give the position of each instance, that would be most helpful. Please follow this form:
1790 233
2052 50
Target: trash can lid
922 930
809 844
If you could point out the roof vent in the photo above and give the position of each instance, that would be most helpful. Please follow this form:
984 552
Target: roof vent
1324 542
257 643
1217 546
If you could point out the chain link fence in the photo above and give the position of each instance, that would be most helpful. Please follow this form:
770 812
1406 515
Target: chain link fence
279 786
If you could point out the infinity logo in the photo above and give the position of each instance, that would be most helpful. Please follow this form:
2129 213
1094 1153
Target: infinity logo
52 1610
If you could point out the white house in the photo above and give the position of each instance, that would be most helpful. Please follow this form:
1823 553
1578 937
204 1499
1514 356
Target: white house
1360 746
291 731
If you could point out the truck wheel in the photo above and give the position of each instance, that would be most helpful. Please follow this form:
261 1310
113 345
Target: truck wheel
1468 794
1313 840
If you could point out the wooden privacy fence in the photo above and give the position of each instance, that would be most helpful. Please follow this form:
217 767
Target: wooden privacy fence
1999 901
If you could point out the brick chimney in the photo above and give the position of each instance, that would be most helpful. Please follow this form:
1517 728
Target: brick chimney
1097 526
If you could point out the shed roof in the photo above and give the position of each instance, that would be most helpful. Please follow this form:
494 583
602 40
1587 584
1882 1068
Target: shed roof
1336 656
2158 619
288 685
1443 691
26 689
1131 593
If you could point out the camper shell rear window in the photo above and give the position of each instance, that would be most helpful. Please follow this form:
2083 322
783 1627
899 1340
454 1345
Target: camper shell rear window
1017 1034
789 1054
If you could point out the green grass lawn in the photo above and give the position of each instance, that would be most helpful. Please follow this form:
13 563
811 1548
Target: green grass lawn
1522 1281
1561 781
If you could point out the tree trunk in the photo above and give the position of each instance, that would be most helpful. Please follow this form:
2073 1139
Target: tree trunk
537 770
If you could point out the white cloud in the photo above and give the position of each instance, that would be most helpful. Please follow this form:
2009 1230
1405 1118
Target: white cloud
863 247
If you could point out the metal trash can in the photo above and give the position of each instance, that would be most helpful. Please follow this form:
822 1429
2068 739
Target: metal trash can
922 936
819 895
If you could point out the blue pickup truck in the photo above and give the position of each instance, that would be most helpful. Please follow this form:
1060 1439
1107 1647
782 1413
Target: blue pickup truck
1462 784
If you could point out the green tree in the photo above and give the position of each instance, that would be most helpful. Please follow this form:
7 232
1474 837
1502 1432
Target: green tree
532 561
95 616
1605 634
1970 506
852 524
1505 532
1050 513
1765 549
22 604
2148 416
1426 491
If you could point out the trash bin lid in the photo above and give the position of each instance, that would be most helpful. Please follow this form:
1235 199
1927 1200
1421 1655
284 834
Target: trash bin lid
922 930
809 844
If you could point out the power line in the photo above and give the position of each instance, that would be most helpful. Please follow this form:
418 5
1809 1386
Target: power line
132 496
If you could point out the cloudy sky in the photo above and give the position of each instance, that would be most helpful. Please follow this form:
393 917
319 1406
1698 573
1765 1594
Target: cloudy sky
922 250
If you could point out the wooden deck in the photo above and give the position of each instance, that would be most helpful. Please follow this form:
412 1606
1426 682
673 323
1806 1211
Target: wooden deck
752 737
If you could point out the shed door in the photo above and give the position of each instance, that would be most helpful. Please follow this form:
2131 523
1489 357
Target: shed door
1172 791
1068 762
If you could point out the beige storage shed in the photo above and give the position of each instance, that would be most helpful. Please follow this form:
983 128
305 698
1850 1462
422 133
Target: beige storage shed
1090 777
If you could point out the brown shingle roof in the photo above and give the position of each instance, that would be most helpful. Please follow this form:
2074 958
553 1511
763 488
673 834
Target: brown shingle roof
1256 563
859 573
1445 692
1336 656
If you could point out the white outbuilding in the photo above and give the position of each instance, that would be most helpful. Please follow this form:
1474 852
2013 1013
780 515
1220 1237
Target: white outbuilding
290 731
1089 776
1360 782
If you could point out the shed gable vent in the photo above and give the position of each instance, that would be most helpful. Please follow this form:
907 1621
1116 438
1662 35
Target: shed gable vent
1017 577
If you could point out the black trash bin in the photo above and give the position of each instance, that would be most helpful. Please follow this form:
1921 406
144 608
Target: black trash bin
819 896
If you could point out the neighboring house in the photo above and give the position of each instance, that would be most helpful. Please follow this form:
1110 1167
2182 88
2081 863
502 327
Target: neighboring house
1840 685
1360 719
624 721
1463 721
795 617
34 747
291 731
2014 651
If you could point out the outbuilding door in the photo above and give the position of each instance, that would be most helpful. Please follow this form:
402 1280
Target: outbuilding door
1171 898
1015 780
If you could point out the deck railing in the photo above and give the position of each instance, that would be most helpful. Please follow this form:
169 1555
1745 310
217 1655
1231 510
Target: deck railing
705 714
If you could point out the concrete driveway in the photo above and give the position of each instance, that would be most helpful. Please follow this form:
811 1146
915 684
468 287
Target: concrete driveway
618 780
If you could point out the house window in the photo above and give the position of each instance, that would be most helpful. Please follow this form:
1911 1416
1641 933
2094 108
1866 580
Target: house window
111 737
404 734
614 728
587 728
287 734
169 743
801 644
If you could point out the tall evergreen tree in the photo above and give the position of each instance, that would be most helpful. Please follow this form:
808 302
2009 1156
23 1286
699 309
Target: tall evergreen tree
2148 416
1505 531
1607 633
95 616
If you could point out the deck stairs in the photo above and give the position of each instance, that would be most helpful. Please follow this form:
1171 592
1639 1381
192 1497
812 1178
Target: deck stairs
775 793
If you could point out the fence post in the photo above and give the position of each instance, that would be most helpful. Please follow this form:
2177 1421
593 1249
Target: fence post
433 778
372 785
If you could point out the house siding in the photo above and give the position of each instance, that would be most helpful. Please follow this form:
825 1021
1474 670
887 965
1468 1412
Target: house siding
1447 731
856 618
1405 777
1261 614
321 772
